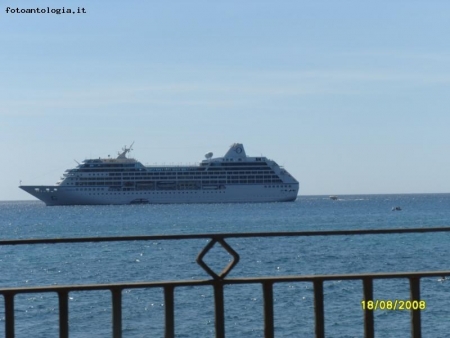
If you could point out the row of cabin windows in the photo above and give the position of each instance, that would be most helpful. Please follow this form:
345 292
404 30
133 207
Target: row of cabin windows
166 192
241 164
240 168
266 186
146 174
209 177
232 181
140 170
165 179
108 165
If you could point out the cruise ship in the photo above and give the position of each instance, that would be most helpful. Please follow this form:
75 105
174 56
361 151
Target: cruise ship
233 178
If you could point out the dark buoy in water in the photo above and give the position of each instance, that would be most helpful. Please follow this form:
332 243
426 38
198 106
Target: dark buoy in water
396 209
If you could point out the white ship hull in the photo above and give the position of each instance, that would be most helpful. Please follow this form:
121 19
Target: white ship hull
56 195
233 178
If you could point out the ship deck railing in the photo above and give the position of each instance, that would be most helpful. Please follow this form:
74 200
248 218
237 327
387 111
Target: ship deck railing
219 280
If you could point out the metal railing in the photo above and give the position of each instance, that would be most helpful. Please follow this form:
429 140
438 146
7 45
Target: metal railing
218 281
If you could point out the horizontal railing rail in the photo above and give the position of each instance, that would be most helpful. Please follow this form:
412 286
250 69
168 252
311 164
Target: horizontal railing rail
218 281
223 236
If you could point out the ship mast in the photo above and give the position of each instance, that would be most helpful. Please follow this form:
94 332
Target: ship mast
125 150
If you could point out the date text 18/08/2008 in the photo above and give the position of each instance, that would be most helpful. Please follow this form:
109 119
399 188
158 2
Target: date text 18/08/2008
393 304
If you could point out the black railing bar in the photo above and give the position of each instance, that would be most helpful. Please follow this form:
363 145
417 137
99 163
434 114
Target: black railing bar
169 309
312 278
416 330
9 315
269 328
221 236
219 309
368 314
230 281
319 313
63 300
116 294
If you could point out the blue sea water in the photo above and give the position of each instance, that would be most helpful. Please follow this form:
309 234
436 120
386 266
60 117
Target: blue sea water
143 309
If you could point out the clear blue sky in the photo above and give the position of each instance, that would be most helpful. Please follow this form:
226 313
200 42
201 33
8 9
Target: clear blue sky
353 98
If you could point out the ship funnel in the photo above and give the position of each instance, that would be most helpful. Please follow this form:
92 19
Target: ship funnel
236 151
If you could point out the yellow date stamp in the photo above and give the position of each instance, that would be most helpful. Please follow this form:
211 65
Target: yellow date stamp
393 304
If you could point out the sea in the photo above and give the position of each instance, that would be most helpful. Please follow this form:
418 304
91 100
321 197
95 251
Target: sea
36 315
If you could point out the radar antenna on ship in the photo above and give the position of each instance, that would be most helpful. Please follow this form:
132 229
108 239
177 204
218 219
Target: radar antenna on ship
125 150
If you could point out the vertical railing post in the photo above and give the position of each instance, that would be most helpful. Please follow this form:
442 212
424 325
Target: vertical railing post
268 309
318 309
414 286
63 314
219 309
368 314
117 312
9 315
169 311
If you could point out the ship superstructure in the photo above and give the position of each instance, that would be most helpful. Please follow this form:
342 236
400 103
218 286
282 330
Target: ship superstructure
232 178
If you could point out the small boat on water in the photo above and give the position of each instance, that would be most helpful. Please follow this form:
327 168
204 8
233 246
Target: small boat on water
334 198
396 209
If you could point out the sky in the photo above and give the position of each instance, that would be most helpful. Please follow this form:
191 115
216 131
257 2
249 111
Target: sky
351 97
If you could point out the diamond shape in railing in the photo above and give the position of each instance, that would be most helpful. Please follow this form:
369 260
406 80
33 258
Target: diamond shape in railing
228 268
